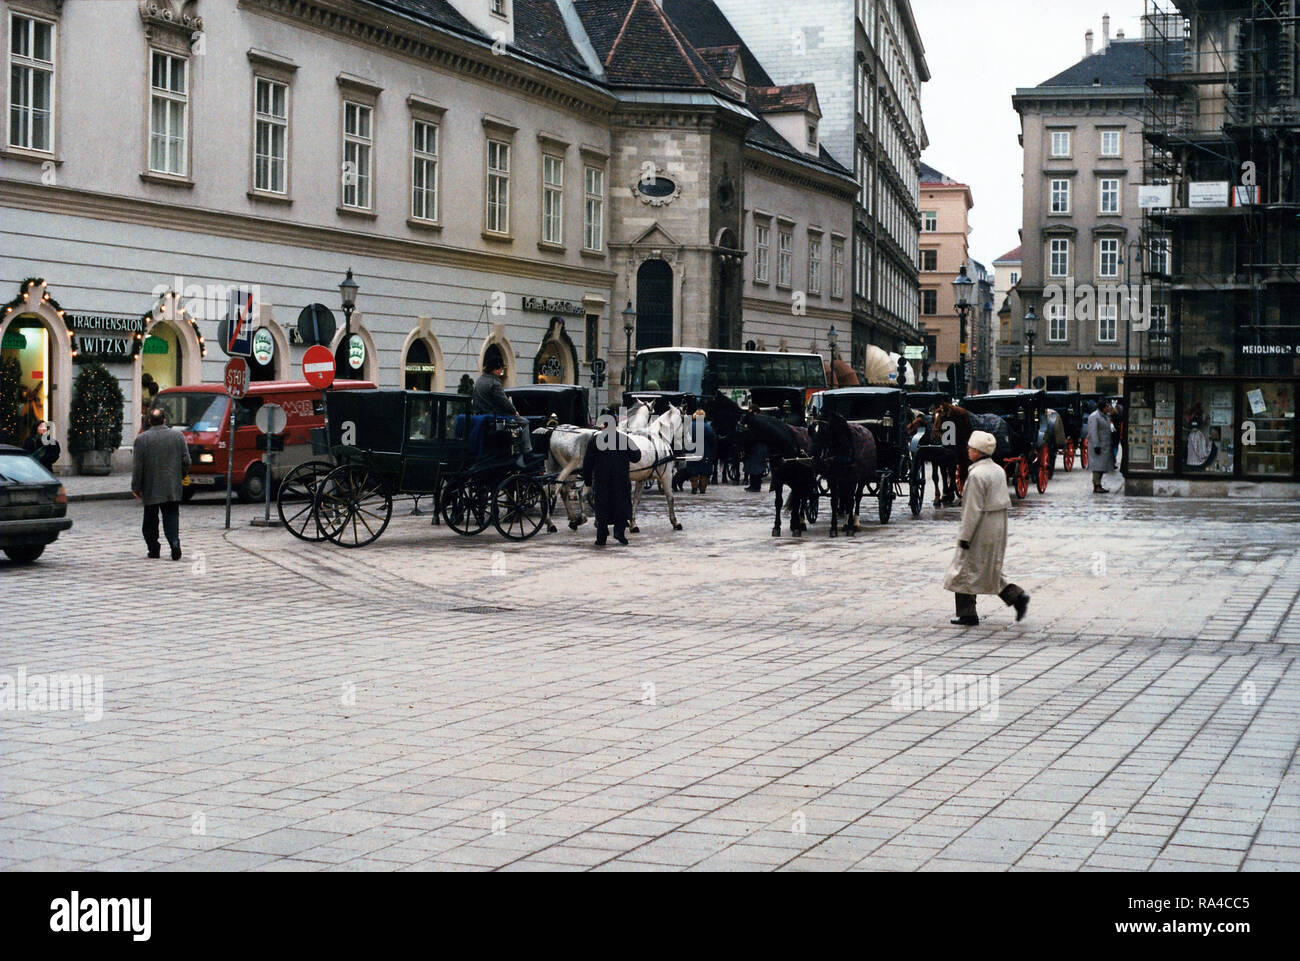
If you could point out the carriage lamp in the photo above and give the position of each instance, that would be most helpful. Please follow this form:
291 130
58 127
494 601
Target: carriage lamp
629 325
348 293
1031 334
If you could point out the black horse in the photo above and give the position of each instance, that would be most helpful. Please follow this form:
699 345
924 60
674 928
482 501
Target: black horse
846 455
942 461
788 450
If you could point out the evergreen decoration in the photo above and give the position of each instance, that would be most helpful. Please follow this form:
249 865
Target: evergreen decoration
11 377
466 385
96 412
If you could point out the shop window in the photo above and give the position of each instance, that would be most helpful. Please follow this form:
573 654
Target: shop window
1209 429
419 368
1151 420
1108 386
160 359
24 366
1269 449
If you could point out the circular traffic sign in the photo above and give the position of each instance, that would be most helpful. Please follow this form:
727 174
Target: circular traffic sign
270 419
316 324
318 367
236 377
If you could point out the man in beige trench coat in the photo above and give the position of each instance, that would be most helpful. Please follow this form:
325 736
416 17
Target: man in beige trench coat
982 541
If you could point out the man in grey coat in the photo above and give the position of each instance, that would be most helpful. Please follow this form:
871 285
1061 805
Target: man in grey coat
1101 445
490 397
982 540
161 459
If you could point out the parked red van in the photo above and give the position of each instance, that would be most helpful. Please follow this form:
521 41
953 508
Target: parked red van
202 411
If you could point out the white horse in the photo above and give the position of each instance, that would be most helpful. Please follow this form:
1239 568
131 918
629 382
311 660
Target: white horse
657 446
568 449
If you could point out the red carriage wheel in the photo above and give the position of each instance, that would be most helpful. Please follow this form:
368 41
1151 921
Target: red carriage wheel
1045 458
1083 454
1022 477
1068 457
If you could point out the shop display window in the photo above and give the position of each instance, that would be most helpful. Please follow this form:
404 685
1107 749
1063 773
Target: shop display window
1268 450
1208 444
1151 422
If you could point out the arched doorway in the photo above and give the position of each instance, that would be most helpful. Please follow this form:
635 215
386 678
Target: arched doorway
35 365
354 357
171 354
422 365
654 305
557 359
497 348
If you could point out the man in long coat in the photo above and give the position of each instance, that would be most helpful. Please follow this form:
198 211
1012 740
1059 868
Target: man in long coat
982 541
607 468
1101 445
161 460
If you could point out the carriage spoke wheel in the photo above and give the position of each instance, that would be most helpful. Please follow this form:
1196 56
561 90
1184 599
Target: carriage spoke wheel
886 502
520 507
1083 454
1067 457
916 490
296 501
465 508
352 507
1045 458
1022 477
812 508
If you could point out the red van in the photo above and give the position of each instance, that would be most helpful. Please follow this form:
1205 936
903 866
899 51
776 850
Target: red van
202 411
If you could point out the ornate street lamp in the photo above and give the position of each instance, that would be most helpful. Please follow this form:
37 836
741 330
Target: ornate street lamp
348 293
1031 334
832 340
963 289
629 325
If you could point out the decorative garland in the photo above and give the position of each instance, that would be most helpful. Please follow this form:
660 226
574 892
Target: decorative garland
181 314
24 299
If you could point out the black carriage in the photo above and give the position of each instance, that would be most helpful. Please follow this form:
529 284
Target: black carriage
886 412
1030 443
927 401
1069 404
546 406
390 444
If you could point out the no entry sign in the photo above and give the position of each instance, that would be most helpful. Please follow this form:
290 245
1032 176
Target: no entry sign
318 367
236 377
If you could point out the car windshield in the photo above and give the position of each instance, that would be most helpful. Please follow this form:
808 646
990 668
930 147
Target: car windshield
22 469
196 412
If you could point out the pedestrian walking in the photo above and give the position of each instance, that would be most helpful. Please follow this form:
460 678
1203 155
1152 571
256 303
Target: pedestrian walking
1101 445
161 459
982 539
607 470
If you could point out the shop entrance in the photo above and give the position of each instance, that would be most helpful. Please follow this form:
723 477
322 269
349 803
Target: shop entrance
25 365
420 368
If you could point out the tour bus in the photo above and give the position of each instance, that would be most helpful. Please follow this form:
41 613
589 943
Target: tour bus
202 412
746 376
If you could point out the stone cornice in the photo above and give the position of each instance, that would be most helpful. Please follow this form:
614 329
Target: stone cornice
774 165
433 45
179 217
783 306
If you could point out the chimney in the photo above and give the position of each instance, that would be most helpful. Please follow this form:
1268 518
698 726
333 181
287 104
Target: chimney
1087 44
1119 34
1105 32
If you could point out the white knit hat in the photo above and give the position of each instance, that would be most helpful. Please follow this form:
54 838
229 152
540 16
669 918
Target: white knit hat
983 442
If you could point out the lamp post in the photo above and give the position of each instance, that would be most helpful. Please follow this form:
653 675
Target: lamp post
1031 334
832 341
629 325
1134 248
963 293
348 293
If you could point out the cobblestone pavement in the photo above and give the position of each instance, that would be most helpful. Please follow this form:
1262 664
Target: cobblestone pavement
711 699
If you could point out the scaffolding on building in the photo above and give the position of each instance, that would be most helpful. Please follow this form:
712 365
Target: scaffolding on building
1221 125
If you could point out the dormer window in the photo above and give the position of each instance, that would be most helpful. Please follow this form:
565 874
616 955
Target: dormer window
499 8
812 137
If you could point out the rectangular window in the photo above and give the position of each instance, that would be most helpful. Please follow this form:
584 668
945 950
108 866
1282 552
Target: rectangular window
929 261
929 222
1058 328
814 265
1110 143
784 258
498 187
424 170
1110 196
31 83
168 114
270 136
593 209
1159 263
929 303
1159 322
552 200
1271 408
499 7
1108 259
358 147
1107 323
762 244
1060 143
837 268
1059 259
1060 196
1015 278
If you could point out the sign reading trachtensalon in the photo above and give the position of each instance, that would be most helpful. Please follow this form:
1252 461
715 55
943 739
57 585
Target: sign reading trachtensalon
104 337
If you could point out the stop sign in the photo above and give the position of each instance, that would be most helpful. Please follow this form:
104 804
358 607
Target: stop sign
237 377
318 367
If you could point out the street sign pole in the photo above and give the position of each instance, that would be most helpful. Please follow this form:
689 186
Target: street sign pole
236 387
230 460
271 421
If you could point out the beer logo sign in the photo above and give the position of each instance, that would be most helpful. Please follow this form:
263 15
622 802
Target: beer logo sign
263 346
356 352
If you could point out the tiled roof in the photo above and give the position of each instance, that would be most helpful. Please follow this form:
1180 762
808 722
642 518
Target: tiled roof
931 176
1125 63
722 60
640 47
787 99
540 31
1011 256
705 25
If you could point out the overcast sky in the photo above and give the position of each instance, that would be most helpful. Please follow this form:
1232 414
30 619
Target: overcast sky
979 52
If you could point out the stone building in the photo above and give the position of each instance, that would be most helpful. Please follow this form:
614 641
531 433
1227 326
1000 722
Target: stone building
1006 277
945 229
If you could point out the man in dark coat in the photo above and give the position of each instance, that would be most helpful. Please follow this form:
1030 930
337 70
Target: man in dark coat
490 397
161 459
606 468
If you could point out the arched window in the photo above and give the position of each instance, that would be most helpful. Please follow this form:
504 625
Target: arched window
419 367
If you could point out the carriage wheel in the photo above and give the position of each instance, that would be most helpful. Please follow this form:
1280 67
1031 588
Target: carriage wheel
1045 458
1067 458
352 506
520 507
466 508
296 501
916 491
1083 453
1022 477
812 506
886 502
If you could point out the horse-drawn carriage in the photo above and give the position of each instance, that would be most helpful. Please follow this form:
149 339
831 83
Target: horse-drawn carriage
1069 405
886 412
1027 443
383 445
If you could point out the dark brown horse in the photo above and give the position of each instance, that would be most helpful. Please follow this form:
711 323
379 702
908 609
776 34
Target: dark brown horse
943 467
952 429
846 456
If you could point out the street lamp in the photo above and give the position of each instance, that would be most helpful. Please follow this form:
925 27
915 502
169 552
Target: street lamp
1031 334
348 292
963 298
1134 248
832 340
629 325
